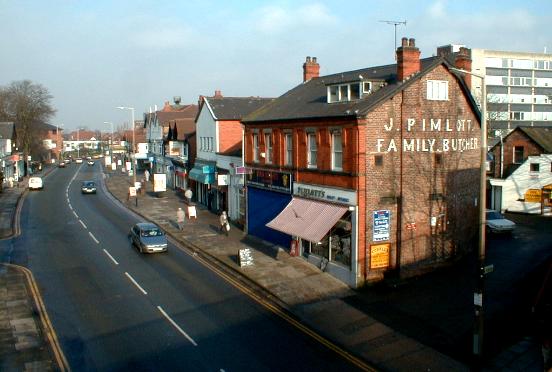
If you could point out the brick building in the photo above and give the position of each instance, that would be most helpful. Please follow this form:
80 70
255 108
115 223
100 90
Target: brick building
521 174
368 171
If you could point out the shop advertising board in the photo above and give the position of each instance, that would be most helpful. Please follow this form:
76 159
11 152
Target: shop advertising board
159 182
382 225
379 255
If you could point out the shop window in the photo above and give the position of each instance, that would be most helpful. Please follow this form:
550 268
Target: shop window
534 167
518 154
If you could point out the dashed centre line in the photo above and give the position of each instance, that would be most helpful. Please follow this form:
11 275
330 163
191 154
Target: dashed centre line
110 256
176 325
136 283
83 225
93 237
75 213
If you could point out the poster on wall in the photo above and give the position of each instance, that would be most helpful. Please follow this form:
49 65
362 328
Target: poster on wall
381 225
159 182
379 255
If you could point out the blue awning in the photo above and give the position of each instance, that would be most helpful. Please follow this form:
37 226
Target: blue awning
198 175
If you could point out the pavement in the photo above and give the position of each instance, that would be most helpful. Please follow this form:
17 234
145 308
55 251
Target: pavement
300 290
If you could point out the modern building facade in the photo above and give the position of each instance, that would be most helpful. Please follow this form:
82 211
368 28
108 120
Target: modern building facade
519 88
369 171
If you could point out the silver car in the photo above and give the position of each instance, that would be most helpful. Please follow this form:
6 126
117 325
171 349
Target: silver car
148 238
496 223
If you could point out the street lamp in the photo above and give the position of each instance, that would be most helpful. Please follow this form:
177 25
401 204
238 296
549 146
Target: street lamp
111 145
478 295
133 163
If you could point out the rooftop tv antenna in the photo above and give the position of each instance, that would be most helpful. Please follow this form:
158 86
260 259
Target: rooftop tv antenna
395 24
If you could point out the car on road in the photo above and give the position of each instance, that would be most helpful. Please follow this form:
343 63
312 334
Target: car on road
497 223
61 164
90 162
148 238
35 183
88 187
78 161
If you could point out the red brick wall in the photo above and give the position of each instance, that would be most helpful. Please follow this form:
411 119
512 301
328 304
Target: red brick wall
230 133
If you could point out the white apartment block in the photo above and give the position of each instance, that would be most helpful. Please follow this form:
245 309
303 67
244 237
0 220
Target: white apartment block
519 87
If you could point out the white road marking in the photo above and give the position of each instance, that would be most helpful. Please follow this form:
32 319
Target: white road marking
76 215
93 237
110 256
83 225
176 326
136 283
70 206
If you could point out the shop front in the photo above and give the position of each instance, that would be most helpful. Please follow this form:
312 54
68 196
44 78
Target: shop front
202 177
322 225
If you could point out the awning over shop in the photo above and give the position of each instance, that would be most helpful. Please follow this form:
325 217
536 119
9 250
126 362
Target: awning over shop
308 219
198 175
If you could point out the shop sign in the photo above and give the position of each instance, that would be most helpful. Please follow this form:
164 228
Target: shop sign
379 255
222 180
533 195
411 225
278 181
381 225
324 193
243 170
208 169
245 257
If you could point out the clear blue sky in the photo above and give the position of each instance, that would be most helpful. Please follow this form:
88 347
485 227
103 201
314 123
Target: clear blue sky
96 55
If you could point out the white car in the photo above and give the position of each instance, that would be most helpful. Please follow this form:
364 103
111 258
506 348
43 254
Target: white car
35 183
78 161
496 222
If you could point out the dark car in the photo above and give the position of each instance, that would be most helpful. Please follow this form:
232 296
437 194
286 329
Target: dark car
148 238
88 187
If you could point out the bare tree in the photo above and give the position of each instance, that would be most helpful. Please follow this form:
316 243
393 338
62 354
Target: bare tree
28 105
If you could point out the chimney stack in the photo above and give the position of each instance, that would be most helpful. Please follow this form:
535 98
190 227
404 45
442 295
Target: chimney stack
311 69
177 100
463 61
408 59
218 94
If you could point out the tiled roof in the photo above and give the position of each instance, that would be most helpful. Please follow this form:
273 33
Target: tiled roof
309 99
235 108
541 135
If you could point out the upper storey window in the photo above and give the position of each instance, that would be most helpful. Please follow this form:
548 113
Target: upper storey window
348 91
437 90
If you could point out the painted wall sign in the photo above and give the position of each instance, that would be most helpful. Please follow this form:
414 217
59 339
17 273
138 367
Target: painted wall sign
379 255
381 225
442 126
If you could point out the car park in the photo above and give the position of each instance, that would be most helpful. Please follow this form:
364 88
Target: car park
148 238
88 187
497 223
35 183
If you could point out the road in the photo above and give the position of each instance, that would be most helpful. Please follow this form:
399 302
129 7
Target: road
115 309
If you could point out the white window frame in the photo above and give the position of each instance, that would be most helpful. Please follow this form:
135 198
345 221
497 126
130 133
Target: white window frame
312 151
268 147
437 90
255 147
335 150
288 143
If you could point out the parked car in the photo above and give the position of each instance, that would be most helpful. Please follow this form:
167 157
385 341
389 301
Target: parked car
78 161
148 238
497 223
88 187
35 183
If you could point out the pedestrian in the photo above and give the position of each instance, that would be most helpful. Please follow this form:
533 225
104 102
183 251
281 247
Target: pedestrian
224 225
147 175
180 218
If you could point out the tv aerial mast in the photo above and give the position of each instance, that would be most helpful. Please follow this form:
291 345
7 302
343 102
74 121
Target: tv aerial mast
395 24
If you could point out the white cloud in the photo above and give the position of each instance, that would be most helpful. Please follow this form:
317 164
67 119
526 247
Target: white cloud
163 37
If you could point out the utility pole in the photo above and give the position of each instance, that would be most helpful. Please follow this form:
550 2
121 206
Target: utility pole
395 24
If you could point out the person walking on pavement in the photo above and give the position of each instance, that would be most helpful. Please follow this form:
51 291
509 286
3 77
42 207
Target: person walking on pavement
224 226
146 175
180 218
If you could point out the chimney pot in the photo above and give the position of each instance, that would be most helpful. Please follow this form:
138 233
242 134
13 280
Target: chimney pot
412 42
404 42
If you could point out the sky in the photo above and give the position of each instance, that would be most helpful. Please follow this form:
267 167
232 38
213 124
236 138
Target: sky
93 56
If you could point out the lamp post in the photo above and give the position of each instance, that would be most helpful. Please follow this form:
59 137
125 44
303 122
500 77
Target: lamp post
482 270
111 143
133 163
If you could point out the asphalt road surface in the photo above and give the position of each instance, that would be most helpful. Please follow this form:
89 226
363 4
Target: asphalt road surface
115 309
